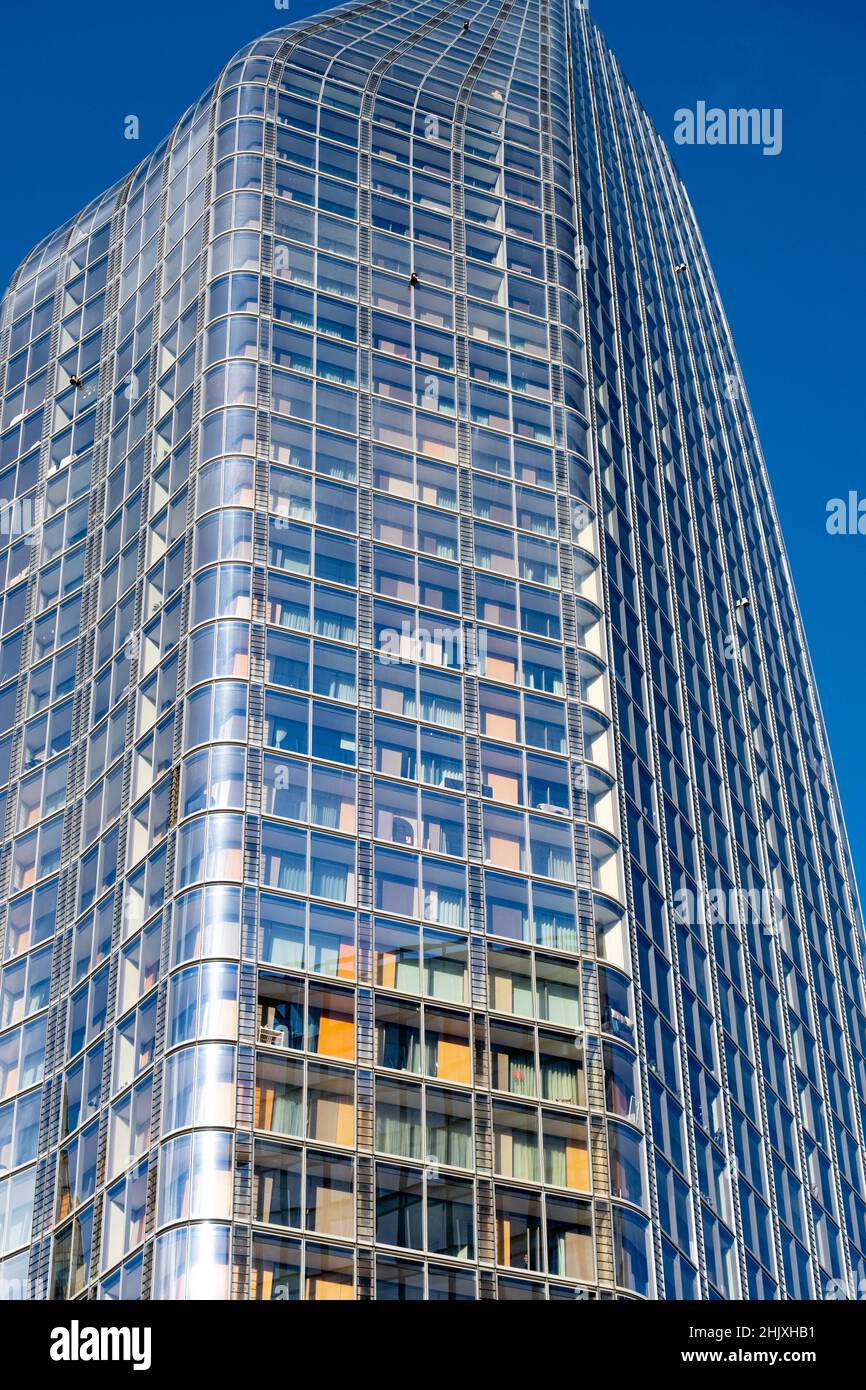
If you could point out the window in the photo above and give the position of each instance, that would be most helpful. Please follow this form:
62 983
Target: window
123 1221
417 1209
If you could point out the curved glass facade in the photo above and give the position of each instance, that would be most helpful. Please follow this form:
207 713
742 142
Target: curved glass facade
422 871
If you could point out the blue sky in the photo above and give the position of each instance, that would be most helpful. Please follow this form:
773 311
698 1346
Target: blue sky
784 234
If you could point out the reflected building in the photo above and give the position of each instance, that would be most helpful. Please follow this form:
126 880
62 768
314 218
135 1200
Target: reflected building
422 871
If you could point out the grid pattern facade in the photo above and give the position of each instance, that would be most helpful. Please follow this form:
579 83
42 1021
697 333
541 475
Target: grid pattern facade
403 706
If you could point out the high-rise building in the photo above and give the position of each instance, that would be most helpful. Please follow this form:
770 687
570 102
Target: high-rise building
422 870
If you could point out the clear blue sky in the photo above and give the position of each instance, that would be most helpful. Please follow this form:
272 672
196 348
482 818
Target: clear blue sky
785 234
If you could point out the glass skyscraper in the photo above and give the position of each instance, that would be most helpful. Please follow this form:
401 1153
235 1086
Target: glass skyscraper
422 869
